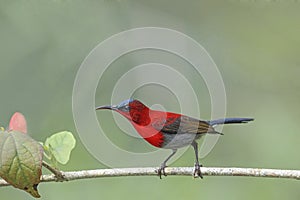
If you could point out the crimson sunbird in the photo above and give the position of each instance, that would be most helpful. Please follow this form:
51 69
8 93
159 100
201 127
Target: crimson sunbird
169 130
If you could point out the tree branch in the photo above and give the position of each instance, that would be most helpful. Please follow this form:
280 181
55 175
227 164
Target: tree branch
58 174
179 171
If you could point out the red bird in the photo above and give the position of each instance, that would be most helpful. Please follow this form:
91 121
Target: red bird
169 130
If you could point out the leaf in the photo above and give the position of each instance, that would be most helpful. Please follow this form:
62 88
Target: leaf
60 146
18 123
21 161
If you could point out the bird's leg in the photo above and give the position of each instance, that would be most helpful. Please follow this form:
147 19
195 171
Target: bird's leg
161 170
197 171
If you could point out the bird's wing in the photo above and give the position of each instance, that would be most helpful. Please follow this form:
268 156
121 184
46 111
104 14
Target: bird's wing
181 124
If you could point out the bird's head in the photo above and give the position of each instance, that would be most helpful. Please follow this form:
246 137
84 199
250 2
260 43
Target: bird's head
132 109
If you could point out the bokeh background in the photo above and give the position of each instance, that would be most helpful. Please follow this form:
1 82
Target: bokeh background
255 45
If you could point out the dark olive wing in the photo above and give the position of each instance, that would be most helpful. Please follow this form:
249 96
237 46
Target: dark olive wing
182 124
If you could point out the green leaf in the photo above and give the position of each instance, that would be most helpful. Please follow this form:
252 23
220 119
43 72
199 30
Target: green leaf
60 146
21 161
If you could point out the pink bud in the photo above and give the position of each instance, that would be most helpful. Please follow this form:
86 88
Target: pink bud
18 123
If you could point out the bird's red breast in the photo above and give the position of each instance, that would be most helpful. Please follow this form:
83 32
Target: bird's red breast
154 137
156 120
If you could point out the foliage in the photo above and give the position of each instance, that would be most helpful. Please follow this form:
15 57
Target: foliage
21 156
58 147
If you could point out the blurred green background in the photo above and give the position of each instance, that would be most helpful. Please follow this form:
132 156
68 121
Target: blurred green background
255 44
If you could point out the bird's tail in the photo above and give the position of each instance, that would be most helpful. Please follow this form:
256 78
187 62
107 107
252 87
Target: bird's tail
230 121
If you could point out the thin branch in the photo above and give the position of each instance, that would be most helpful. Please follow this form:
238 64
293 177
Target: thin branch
58 174
177 171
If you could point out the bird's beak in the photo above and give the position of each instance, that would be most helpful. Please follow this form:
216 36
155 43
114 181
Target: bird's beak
108 107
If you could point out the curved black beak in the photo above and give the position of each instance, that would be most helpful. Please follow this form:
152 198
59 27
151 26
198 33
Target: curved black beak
108 107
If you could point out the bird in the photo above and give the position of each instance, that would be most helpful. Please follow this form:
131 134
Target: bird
169 130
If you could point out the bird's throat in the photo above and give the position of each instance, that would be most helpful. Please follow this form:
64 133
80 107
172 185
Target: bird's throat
140 118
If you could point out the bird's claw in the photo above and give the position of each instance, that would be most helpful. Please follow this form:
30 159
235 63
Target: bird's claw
197 171
161 171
